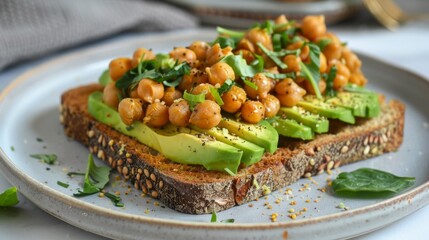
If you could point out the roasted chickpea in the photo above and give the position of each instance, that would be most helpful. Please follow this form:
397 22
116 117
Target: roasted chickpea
281 19
195 78
111 95
179 113
130 110
352 61
252 111
342 77
247 55
216 53
170 95
183 55
313 26
332 51
141 54
132 93
289 93
272 106
200 49
310 89
246 44
358 78
156 115
305 51
206 115
118 67
257 35
263 87
204 88
292 62
233 99
323 63
149 90
219 73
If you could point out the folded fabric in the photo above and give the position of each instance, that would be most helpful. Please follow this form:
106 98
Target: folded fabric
31 28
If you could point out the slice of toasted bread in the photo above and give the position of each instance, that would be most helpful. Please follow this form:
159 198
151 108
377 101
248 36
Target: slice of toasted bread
192 189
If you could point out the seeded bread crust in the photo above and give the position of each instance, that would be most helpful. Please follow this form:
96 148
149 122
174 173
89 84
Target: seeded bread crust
192 189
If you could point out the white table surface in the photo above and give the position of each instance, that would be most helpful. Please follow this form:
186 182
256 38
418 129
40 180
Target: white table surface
408 47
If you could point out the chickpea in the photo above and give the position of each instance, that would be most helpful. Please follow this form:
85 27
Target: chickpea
233 99
141 54
246 44
206 115
247 55
313 26
216 53
293 63
179 113
200 49
130 110
118 67
273 82
358 78
252 111
156 115
323 63
183 55
289 93
332 51
342 77
281 19
170 95
132 93
219 73
305 51
352 61
149 90
263 87
257 35
204 88
195 78
111 95
310 89
328 35
272 105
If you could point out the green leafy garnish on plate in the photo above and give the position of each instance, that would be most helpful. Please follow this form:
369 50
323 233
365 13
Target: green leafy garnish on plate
46 158
370 183
9 197
96 177
213 219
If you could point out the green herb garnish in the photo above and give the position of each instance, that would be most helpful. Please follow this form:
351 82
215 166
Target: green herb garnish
216 95
229 171
116 200
230 33
370 183
213 219
46 158
240 67
355 88
280 75
225 42
272 55
330 91
9 197
310 71
62 184
250 83
12 148
39 139
71 174
194 99
95 178
226 86
323 43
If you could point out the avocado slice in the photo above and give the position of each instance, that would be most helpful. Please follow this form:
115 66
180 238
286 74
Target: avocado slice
195 147
291 128
105 78
314 105
317 123
262 134
363 104
252 153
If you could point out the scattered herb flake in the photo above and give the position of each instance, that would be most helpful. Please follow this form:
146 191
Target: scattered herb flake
39 139
71 174
116 200
46 158
213 219
12 148
330 91
62 184
9 197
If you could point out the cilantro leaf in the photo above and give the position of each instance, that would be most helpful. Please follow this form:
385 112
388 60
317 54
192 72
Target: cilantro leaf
46 158
9 197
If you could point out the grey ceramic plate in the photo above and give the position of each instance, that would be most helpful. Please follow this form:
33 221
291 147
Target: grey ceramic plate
30 125
243 13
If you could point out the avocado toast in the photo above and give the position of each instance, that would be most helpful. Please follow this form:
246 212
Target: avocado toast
317 134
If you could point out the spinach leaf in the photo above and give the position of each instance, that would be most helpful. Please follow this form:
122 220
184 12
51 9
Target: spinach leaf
9 197
46 158
95 178
330 92
370 183
311 71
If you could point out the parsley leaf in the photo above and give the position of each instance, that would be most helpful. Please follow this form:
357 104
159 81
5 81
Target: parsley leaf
9 197
46 158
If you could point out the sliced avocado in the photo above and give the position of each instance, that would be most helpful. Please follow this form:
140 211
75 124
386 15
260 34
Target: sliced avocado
328 110
291 128
182 145
262 134
252 153
317 123
364 104
105 78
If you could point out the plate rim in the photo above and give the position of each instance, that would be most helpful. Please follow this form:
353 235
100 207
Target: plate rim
14 175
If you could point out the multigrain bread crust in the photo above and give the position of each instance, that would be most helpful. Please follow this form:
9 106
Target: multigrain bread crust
192 189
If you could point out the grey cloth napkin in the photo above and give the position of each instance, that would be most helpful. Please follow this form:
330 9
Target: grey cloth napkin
31 28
